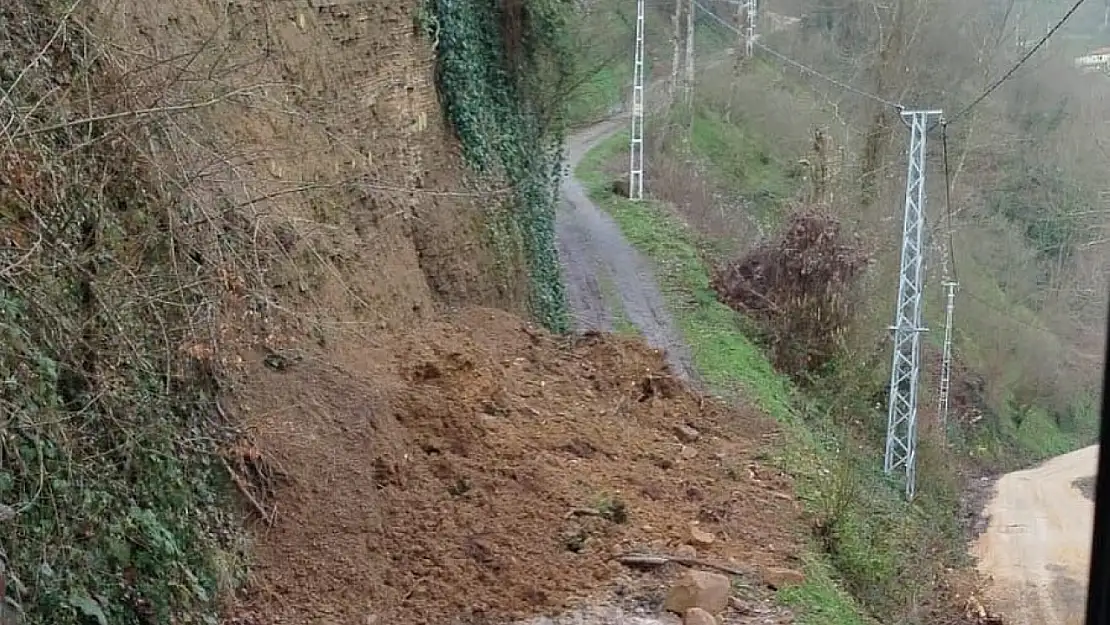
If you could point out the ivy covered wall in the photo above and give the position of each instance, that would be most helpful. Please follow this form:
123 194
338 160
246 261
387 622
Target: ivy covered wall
501 64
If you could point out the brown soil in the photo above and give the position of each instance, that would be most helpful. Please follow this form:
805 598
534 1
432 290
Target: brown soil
331 193
443 474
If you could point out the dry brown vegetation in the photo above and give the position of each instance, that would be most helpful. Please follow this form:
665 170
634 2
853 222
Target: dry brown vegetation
803 288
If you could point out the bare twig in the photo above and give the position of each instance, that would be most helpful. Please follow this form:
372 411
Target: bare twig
7 95
641 559
241 484
177 108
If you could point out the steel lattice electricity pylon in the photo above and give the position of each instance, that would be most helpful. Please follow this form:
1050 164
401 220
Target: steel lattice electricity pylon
901 437
636 134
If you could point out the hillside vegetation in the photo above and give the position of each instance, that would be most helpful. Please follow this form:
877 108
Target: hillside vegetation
192 198
283 336
763 141
1025 231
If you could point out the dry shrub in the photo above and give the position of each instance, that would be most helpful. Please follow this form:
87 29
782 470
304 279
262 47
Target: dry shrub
800 288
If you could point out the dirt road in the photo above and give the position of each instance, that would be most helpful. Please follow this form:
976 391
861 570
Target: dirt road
1037 543
595 256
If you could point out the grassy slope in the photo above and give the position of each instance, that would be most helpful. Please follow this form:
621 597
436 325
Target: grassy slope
741 161
744 160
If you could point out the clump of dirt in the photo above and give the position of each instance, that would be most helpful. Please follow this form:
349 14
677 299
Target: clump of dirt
959 601
798 287
481 468
1086 486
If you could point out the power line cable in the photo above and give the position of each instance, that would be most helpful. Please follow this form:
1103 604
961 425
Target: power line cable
842 85
997 83
801 66
1002 312
948 201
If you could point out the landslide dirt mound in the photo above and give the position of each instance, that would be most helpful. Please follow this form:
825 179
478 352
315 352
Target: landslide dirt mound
481 468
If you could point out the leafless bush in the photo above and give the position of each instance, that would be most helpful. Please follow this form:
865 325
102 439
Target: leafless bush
695 198
678 180
801 288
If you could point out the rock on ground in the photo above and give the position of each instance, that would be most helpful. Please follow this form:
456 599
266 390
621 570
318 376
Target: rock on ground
699 589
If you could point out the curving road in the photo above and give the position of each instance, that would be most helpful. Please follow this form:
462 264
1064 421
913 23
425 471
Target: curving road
606 278
1036 548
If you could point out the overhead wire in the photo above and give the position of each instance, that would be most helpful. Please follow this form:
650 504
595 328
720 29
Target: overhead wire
943 124
800 66
1001 312
998 82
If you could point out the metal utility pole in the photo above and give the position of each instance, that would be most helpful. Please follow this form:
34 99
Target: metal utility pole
676 60
901 437
749 29
689 82
946 358
636 134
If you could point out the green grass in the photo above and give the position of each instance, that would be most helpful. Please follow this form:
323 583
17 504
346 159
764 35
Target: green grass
743 161
728 359
593 99
820 600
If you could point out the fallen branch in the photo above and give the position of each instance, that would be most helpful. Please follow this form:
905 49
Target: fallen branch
162 110
583 512
241 484
655 560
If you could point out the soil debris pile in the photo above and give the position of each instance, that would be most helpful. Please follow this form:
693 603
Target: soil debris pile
480 468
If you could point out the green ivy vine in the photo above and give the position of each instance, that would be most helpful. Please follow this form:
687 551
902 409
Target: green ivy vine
505 112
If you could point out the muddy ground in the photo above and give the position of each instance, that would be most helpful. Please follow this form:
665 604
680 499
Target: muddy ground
478 468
